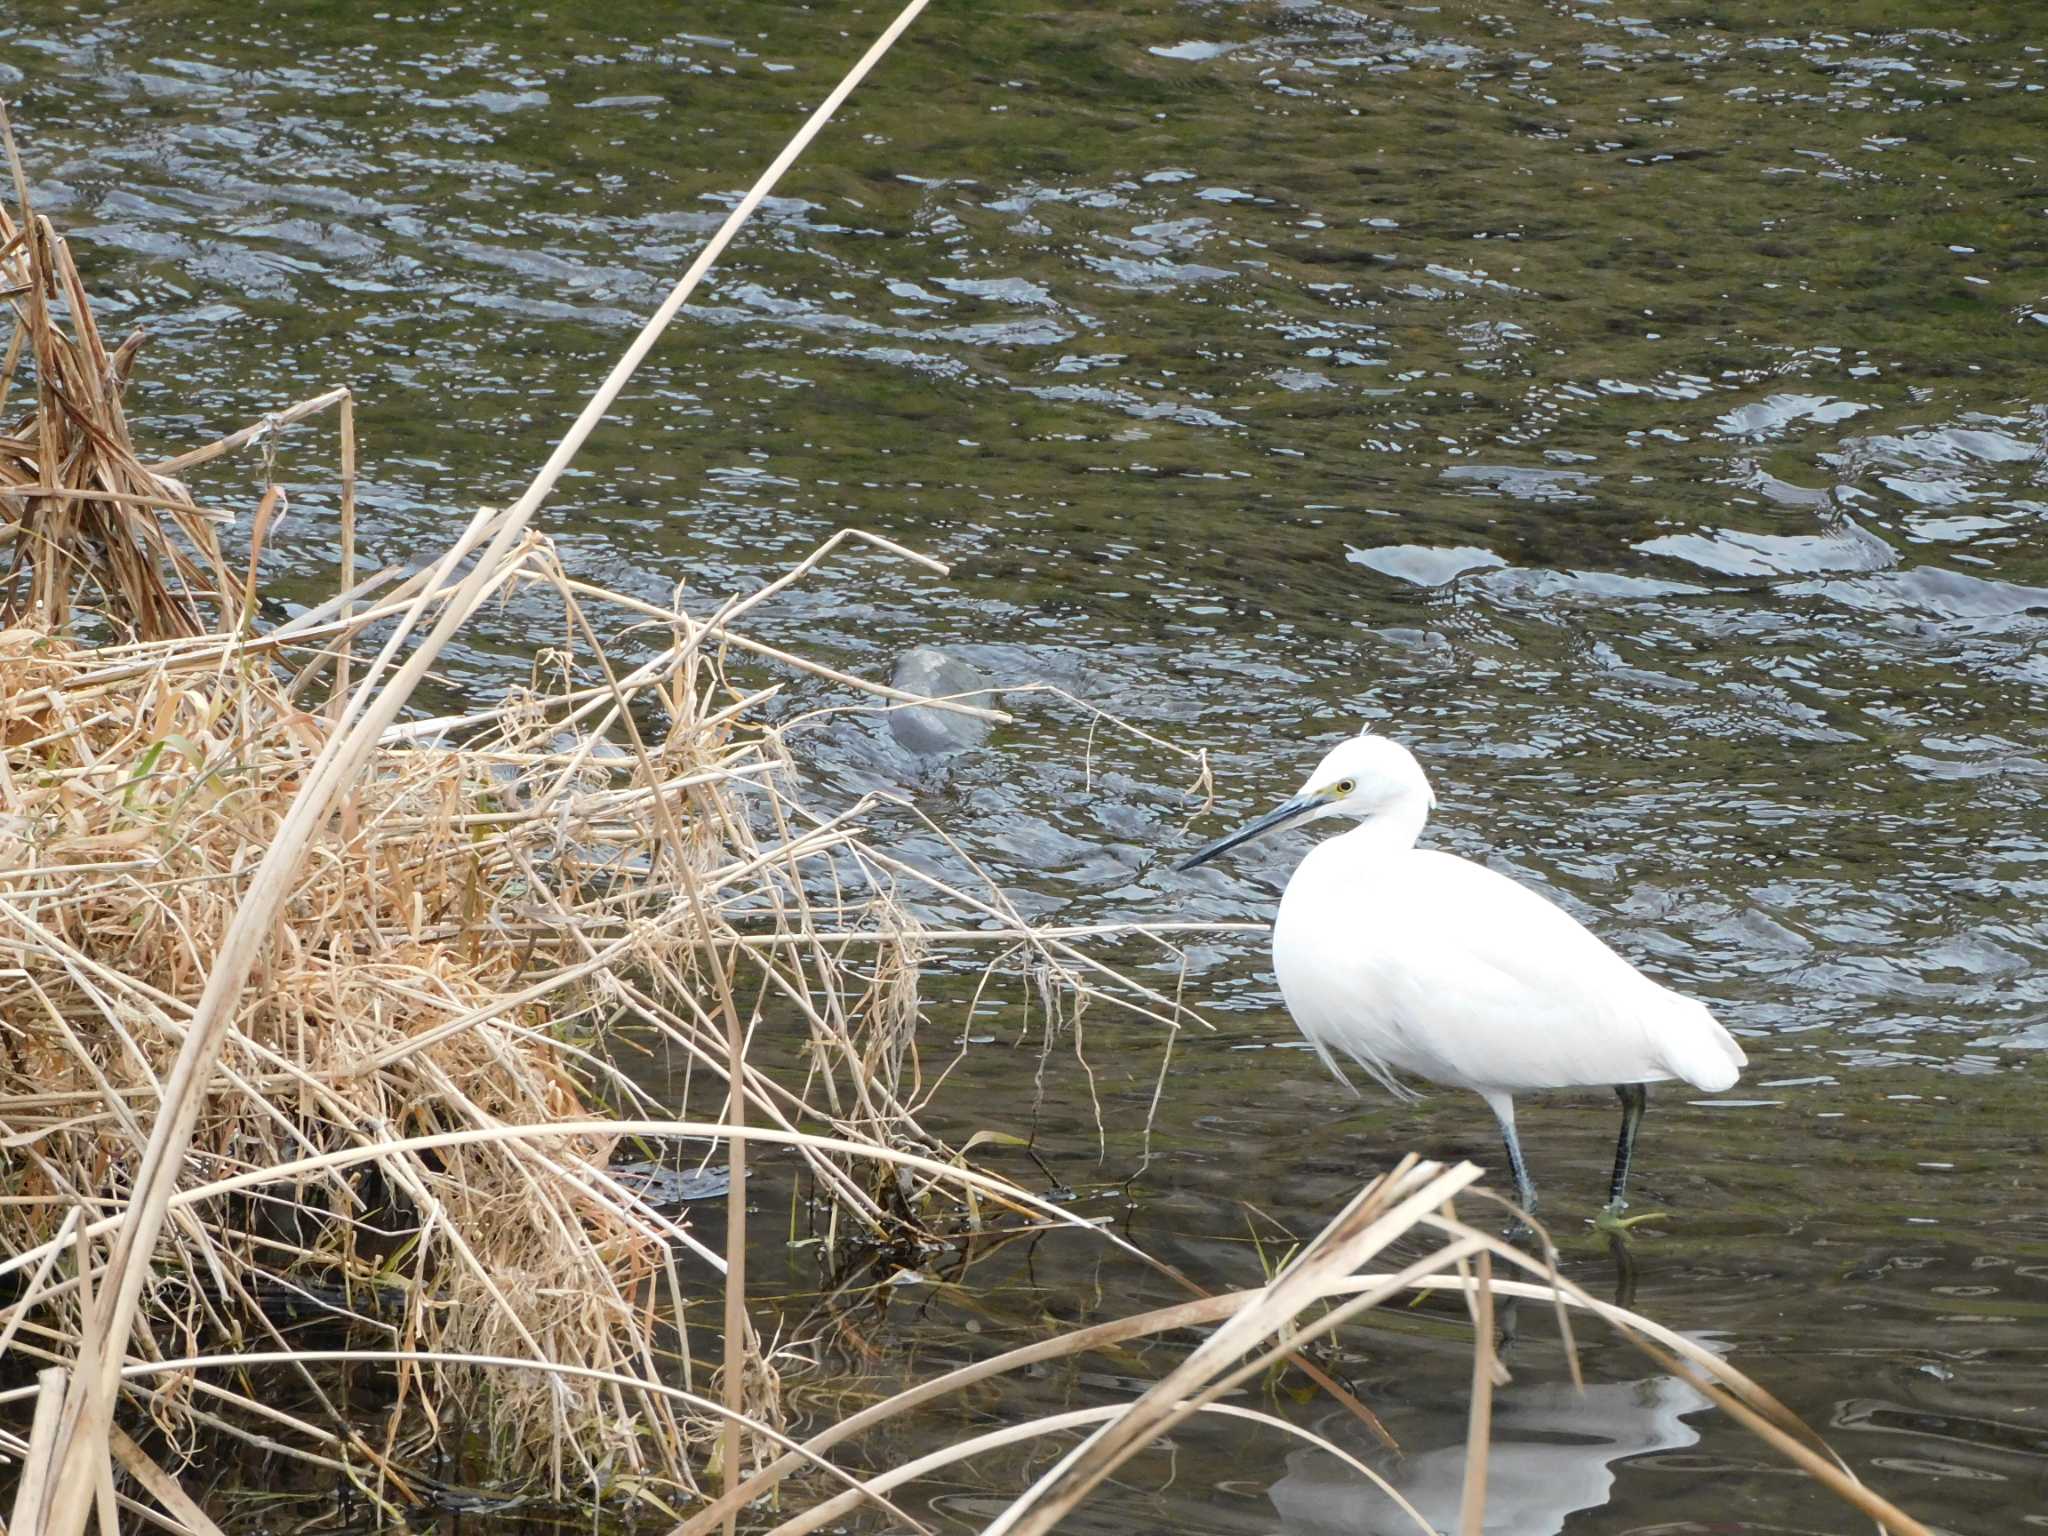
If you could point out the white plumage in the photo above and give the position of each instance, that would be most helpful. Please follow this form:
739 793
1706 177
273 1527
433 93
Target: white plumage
1404 959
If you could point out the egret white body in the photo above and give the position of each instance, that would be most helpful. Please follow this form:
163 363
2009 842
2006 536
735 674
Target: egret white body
1406 959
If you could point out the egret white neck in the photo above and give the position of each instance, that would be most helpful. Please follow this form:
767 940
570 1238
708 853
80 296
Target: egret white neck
1393 828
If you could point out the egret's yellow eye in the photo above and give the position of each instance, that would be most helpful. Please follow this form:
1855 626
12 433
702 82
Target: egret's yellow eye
1345 786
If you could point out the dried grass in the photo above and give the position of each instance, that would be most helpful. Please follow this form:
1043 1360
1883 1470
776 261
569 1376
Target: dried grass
435 959
100 516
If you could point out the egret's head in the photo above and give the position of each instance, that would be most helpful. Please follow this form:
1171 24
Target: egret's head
1364 777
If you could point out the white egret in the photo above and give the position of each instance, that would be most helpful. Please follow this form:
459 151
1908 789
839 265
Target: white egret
1406 959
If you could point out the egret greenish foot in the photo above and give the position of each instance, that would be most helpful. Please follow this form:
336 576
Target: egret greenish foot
1614 1224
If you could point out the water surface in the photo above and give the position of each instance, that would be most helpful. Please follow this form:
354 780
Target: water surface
1643 417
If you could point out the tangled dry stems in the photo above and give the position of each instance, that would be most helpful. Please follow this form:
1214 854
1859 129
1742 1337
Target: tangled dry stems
433 969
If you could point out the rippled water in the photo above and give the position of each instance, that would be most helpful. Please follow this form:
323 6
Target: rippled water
1643 418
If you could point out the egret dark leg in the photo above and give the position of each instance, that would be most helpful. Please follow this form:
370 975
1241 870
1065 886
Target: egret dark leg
1635 1098
1525 1187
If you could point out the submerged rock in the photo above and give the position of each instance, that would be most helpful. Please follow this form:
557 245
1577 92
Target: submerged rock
930 732
667 1188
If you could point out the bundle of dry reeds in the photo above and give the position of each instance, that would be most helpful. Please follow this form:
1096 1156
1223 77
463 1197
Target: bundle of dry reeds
427 972
99 515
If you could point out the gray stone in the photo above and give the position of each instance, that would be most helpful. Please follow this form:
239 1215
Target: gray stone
930 732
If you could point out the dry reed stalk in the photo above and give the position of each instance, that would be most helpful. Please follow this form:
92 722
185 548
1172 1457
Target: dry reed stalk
1479 1425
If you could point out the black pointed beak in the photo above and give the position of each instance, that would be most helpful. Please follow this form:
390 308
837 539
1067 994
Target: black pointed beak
1280 816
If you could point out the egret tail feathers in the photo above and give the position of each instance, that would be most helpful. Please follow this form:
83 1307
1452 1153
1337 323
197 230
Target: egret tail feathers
1694 1046
1376 1069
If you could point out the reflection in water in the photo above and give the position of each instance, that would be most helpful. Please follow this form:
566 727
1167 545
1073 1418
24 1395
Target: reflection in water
1555 1449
